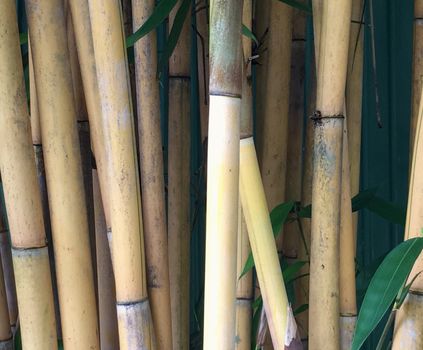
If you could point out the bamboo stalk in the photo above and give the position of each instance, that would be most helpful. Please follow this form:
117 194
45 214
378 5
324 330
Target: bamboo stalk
354 91
109 338
278 312
326 193
347 292
417 70
133 308
23 202
6 341
179 184
222 174
47 25
42 184
409 322
152 180
202 26
272 122
244 291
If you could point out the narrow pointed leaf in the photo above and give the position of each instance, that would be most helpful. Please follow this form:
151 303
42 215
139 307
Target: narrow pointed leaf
298 5
161 11
300 309
384 287
249 34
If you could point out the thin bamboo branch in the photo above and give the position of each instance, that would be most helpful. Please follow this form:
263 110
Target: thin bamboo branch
47 26
23 202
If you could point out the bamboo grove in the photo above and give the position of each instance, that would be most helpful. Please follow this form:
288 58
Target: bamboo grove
185 174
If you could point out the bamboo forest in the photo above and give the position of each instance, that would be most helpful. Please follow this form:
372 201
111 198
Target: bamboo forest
211 174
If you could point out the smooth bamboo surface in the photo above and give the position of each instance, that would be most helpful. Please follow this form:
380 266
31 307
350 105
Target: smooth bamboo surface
272 118
417 70
179 184
326 193
109 337
347 291
279 315
222 174
127 240
22 197
47 24
353 99
152 180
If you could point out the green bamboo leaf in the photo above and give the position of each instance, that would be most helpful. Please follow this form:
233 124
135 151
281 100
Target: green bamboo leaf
384 286
298 5
23 38
278 217
159 14
290 271
300 309
403 293
249 34
174 34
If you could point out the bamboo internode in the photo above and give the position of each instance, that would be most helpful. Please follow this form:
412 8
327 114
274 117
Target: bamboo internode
127 240
22 196
326 192
47 24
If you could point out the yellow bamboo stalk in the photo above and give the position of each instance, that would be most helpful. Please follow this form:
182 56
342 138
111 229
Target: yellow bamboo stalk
326 193
244 291
417 70
23 202
222 174
354 90
47 25
109 338
347 292
279 315
408 332
202 26
133 308
152 180
179 184
272 122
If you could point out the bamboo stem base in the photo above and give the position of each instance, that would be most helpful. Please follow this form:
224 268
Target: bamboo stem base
130 337
347 326
408 332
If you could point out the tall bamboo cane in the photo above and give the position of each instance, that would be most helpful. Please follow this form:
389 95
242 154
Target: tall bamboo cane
326 194
408 331
152 180
417 69
23 202
223 174
245 290
109 338
105 278
347 292
179 184
354 90
63 166
6 341
133 308
9 276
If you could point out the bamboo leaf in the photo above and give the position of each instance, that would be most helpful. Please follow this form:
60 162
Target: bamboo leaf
403 293
290 271
160 12
249 34
23 38
298 5
278 217
174 34
300 309
384 286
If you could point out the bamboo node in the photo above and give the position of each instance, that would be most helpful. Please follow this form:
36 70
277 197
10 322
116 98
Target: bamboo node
317 117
